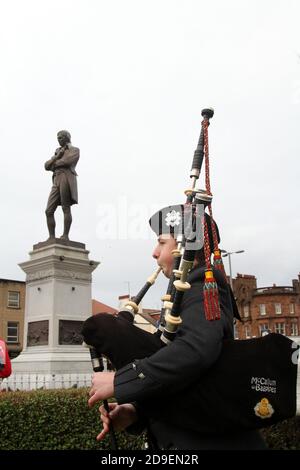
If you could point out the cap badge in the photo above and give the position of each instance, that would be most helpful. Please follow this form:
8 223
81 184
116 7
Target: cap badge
173 218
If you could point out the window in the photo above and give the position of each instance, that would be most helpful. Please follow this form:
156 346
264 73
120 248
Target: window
292 309
278 309
263 327
13 300
262 309
247 332
12 332
236 333
246 310
280 328
294 329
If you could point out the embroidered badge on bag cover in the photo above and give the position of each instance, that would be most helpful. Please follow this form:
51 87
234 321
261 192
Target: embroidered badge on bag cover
264 409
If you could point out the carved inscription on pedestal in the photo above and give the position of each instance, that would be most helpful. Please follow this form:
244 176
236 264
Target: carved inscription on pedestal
38 332
70 332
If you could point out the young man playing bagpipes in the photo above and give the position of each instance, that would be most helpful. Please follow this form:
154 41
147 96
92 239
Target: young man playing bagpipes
190 384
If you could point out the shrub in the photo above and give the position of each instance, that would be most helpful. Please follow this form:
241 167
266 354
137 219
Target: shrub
61 420
284 435
53 420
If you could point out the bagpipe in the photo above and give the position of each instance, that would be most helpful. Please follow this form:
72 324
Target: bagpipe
254 383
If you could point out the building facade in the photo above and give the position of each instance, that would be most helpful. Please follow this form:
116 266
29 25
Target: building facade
273 309
12 308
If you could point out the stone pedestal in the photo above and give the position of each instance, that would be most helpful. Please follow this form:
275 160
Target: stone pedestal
58 300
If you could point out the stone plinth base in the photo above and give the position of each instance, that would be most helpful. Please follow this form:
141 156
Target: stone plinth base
60 361
58 301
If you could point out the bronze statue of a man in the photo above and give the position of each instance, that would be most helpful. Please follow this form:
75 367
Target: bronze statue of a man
64 189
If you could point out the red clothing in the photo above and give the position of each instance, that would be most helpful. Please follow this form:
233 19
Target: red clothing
5 364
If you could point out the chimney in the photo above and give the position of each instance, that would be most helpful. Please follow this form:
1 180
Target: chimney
296 285
248 281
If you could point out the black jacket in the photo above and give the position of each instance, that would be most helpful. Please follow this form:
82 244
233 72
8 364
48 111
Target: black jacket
160 382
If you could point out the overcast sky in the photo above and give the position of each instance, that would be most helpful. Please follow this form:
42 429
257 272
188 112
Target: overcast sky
128 79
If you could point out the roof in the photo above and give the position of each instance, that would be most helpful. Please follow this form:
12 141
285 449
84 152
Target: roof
245 276
151 315
147 317
11 280
275 290
151 311
99 307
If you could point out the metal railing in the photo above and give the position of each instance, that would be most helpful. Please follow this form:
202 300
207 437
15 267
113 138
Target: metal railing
44 381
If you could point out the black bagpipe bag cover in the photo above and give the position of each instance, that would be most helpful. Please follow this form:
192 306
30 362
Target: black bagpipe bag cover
252 385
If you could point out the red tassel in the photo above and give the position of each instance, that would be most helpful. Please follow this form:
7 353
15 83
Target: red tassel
211 297
218 263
